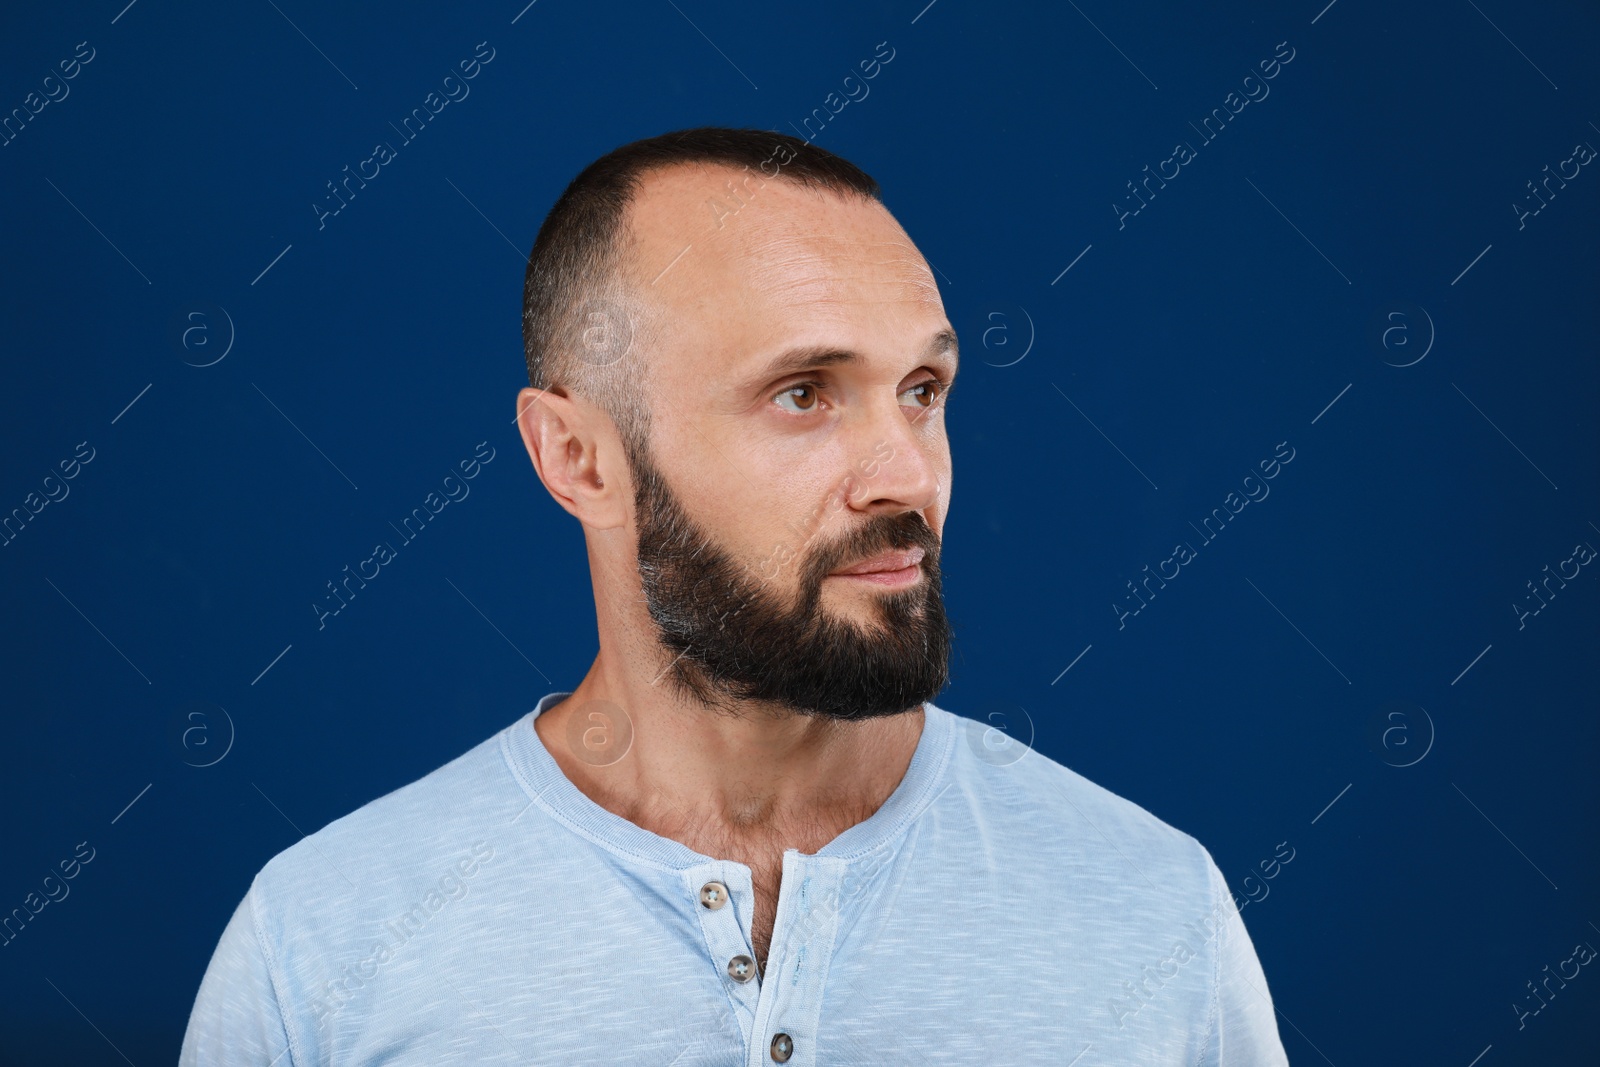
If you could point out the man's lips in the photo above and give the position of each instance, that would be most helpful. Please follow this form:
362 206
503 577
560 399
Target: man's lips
888 568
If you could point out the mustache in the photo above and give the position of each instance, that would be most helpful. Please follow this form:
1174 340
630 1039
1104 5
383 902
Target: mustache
883 533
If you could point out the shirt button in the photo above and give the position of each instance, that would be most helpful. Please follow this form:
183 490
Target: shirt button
782 1048
741 968
713 895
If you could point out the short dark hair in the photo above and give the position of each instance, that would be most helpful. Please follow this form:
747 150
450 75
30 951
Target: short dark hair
577 326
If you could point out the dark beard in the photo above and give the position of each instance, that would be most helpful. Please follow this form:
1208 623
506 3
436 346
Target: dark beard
732 636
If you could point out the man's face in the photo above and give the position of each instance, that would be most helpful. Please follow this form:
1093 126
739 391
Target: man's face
770 471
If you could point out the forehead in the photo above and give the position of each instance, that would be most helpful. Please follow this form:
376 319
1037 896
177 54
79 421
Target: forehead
737 263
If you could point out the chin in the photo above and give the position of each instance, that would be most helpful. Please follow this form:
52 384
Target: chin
871 610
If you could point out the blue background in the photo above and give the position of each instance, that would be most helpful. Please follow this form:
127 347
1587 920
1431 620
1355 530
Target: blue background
1342 669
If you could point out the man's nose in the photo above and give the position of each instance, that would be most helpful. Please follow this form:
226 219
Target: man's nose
892 468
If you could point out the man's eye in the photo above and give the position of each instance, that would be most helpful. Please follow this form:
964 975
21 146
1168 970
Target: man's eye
804 395
926 394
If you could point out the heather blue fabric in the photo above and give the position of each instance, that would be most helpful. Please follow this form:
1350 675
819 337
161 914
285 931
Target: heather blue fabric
997 909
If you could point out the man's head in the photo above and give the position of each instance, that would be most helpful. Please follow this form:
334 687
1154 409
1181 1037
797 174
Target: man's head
738 364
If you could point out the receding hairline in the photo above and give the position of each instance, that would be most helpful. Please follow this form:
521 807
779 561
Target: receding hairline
586 257
621 260
636 277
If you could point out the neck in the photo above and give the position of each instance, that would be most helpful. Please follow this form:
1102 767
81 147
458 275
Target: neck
716 778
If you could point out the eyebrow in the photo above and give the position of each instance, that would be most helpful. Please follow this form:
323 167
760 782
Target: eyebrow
795 360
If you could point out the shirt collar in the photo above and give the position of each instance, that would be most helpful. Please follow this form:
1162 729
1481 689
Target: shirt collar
551 789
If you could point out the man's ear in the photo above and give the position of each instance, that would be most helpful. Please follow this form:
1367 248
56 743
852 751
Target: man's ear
575 450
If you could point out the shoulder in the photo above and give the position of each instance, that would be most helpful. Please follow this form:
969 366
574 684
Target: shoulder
325 917
1072 823
394 843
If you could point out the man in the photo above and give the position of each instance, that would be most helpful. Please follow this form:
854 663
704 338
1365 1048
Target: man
747 836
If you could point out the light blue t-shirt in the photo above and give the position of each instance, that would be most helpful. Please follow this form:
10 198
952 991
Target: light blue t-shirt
997 909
